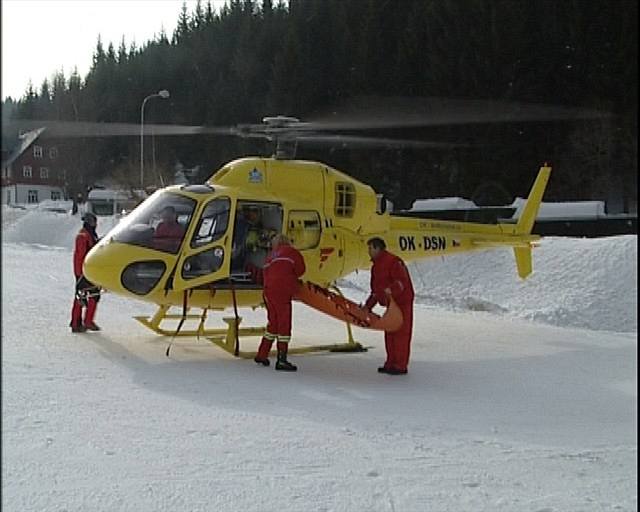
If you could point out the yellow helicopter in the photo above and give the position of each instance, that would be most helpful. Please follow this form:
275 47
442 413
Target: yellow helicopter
203 246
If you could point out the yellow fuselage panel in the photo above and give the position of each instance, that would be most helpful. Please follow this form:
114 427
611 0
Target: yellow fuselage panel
105 263
300 184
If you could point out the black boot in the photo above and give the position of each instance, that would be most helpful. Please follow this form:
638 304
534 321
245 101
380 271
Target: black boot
282 364
262 357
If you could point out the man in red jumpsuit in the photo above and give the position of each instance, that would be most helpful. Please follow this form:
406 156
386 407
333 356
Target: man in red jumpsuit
87 294
282 269
389 276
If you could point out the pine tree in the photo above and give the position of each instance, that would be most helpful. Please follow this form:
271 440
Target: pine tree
75 86
43 108
182 28
98 54
122 53
59 96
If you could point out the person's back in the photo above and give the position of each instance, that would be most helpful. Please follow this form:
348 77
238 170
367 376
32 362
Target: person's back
390 270
282 268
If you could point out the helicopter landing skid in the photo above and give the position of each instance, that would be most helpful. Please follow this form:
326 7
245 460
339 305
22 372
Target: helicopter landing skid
228 338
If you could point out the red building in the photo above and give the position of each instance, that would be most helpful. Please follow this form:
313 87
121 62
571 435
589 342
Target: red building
32 170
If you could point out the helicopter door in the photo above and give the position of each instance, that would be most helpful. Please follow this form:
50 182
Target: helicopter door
207 255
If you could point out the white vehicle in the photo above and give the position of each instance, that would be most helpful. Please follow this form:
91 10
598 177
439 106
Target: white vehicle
107 202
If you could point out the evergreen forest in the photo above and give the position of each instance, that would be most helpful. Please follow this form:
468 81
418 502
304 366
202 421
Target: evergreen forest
307 58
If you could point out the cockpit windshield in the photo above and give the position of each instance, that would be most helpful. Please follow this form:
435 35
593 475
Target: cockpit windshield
159 223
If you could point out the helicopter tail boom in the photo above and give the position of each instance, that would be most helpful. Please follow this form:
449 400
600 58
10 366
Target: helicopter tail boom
417 238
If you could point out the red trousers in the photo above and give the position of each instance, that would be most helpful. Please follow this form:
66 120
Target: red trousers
76 312
279 315
278 325
398 343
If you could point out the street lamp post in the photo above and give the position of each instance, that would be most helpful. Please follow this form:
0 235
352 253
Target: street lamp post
160 94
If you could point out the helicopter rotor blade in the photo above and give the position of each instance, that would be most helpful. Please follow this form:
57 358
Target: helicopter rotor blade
75 129
354 140
356 114
367 113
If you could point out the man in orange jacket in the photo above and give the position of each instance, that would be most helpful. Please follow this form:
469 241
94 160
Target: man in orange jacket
87 294
282 269
390 277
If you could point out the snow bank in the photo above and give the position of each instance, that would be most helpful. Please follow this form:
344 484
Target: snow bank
42 227
554 210
442 203
567 210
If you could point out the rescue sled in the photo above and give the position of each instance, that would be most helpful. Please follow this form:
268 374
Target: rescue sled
341 308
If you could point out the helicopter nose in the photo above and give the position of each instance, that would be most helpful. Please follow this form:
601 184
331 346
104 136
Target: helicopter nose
123 269
102 267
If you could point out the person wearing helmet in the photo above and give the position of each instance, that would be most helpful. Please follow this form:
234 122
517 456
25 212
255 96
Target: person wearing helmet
87 294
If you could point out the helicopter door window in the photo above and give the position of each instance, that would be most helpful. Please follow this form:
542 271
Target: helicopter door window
213 223
203 263
160 223
304 229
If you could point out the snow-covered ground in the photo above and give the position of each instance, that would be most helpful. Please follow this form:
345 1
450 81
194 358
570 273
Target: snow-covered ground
521 396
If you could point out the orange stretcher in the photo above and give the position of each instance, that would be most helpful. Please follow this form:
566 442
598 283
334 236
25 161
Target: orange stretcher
339 307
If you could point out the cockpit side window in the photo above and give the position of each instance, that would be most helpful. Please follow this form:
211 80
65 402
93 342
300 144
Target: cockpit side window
212 223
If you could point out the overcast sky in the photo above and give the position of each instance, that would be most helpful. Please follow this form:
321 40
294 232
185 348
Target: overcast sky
40 37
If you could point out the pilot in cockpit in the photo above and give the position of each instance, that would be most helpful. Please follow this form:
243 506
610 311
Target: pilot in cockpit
169 232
